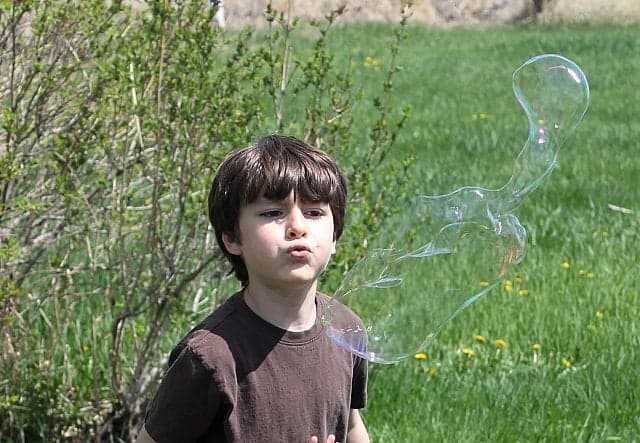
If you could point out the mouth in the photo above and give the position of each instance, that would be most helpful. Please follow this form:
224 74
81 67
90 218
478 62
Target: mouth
299 251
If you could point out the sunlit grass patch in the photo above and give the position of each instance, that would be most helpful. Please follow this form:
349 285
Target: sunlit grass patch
558 339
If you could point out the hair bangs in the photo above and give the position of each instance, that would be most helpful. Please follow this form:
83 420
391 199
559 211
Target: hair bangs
278 174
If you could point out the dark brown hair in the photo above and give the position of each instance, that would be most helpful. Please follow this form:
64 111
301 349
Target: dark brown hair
272 168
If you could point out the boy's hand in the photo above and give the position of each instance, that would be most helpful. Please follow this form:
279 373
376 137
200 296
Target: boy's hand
330 439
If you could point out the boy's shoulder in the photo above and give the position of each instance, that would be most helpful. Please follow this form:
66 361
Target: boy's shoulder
207 340
340 313
234 330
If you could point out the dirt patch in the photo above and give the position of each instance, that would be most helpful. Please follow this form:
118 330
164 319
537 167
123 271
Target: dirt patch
594 10
241 13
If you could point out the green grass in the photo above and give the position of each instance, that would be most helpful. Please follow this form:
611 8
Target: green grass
552 354
568 371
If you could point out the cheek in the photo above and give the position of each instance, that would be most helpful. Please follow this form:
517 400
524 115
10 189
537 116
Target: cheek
327 235
263 242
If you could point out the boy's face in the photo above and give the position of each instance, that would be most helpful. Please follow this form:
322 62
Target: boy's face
284 242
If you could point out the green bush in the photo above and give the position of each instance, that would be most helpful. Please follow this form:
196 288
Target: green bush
112 124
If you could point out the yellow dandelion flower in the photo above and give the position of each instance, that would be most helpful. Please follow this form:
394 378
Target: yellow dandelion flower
501 343
420 356
565 265
566 363
468 352
371 62
507 285
484 284
590 275
605 234
582 272
536 346
599 314
479 338
523 292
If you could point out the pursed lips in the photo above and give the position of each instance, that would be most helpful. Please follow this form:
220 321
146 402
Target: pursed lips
298 251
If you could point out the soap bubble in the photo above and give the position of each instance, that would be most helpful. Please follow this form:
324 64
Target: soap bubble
446 251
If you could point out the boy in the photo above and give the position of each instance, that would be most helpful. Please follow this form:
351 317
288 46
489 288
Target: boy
261 368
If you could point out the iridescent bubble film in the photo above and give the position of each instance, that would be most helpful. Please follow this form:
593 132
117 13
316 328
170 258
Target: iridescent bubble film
446 251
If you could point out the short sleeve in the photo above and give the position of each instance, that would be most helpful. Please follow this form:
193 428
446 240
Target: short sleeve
186 403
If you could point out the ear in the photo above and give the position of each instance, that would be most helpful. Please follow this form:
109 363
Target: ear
231 244
333 248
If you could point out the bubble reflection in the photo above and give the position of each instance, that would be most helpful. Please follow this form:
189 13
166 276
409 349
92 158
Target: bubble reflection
447 251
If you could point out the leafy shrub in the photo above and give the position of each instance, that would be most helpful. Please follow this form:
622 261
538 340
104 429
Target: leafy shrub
112 123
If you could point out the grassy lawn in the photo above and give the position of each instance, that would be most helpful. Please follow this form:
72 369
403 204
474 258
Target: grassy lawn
552 354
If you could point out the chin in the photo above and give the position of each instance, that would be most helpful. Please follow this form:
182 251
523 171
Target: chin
302 277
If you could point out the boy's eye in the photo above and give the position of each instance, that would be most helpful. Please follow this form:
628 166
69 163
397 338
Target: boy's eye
315 213
272 213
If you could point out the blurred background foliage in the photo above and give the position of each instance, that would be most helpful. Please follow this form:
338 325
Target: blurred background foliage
112 124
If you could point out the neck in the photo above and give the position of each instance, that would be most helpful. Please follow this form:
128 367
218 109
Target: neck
292 310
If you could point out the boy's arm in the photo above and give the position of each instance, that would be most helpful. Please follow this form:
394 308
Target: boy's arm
357 431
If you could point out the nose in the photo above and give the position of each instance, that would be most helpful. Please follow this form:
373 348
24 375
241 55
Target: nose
296 224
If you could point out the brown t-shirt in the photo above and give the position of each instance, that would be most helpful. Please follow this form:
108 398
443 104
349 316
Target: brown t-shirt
237 378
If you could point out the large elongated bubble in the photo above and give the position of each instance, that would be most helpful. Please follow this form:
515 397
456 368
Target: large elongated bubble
446 251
